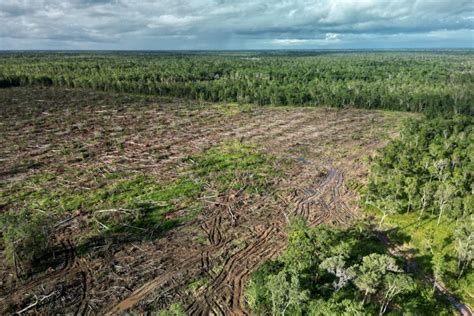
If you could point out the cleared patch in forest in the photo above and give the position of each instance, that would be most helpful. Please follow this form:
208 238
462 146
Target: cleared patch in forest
231 175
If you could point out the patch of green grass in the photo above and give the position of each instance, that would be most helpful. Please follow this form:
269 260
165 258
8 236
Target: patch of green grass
195 285
135 204
355 185
356 136
175 309
217 269
149 201
232 109
201 239
236 166
428 238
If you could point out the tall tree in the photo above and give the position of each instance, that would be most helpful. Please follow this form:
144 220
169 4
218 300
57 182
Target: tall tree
286 292
394 284
464 237
371 272
444 194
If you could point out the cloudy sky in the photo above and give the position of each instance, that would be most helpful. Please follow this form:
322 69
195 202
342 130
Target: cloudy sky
235 24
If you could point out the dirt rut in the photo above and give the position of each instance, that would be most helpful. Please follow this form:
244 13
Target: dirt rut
223 295
239 233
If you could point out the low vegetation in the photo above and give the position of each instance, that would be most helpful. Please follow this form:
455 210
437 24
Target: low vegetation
139 205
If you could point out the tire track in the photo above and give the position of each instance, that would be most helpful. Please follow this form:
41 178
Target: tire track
320 203
225 291
224 294
140 293
213 230
69 267
72 266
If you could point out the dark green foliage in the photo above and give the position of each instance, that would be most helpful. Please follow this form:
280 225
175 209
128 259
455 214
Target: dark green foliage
432 82
329 271
333 307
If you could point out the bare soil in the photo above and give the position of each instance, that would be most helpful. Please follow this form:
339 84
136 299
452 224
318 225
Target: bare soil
323 153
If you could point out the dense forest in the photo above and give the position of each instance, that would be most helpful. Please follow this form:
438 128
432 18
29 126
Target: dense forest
416 81
328 271
427 170
425 178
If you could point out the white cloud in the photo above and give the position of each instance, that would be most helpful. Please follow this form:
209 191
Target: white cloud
169 20
330 38
290 41
132 24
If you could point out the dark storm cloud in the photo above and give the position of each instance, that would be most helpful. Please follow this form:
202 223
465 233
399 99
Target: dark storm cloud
214 24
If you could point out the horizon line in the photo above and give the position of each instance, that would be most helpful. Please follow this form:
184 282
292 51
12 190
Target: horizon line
239 50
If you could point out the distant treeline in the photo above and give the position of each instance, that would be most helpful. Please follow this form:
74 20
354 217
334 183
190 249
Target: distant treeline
417 81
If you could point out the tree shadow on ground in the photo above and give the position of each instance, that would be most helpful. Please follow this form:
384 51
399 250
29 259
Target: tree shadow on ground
120 232
397 237
424 263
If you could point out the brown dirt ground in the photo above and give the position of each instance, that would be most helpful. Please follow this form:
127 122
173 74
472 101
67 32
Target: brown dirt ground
327 150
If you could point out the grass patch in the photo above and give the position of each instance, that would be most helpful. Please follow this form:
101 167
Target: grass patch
175 309
195 285
236 166
201 239
429 239
135 204
232 109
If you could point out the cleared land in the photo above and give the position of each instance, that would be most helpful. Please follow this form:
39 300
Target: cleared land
155 201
